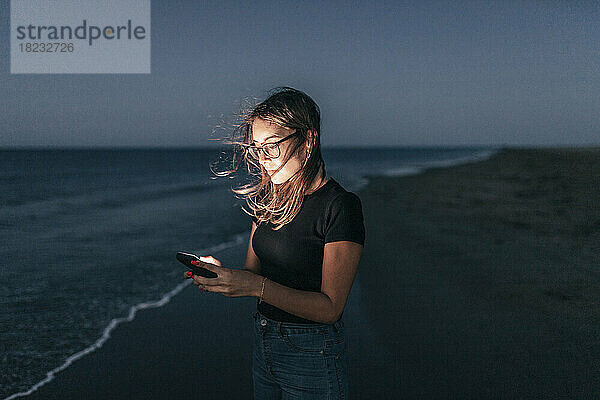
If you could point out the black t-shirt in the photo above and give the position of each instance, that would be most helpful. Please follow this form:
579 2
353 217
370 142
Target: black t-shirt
293 255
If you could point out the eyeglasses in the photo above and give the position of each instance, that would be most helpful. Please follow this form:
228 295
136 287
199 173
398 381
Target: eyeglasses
270 150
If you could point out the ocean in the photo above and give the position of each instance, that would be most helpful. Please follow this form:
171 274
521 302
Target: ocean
89 237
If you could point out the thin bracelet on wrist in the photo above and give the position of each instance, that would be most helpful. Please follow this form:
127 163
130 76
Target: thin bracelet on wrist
262 291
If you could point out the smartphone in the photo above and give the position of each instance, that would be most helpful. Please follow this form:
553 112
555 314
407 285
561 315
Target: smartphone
194 263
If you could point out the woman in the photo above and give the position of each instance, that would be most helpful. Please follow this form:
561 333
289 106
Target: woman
306 240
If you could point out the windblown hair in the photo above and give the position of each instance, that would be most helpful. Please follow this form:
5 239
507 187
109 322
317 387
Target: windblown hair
288 108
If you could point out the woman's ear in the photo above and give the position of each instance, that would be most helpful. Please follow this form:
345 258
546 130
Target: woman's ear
309 138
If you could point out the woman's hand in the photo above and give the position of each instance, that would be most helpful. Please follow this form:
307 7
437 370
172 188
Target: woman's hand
210 260
229 282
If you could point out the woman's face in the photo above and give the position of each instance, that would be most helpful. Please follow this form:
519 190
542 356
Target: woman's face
267 132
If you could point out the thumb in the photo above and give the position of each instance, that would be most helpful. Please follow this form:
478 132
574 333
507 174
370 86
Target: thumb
211 260
208 264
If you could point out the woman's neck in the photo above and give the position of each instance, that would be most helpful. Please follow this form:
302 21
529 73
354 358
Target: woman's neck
318 183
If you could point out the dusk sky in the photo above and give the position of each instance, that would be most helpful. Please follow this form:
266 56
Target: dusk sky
447 73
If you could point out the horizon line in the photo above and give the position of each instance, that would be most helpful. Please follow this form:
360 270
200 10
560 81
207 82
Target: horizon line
332 147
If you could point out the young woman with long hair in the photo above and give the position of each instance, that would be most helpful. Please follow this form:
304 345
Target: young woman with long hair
306 239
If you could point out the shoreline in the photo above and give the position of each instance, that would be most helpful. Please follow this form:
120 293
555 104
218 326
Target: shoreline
431 219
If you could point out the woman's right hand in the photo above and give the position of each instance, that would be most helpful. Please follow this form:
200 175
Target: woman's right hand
206 259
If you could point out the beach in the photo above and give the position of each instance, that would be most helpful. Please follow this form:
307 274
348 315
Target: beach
476 281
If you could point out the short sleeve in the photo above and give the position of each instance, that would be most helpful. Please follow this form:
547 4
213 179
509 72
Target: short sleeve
345 219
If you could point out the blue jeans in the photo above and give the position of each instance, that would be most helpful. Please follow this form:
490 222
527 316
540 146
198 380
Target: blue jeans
299 361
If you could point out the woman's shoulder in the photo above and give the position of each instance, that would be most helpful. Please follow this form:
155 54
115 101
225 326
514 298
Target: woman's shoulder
337 196
335 189
344 216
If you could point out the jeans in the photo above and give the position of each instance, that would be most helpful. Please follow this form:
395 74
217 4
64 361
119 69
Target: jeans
299 361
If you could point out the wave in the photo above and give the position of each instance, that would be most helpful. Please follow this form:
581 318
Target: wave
414 170
237 240
407 170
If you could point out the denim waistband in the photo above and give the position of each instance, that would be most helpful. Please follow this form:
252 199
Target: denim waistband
337 326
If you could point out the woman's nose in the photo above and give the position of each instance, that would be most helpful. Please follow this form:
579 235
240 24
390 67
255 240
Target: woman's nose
262 158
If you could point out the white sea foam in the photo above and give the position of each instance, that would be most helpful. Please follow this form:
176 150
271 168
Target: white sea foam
237 240
415 170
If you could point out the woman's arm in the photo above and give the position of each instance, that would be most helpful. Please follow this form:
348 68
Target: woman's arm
252 263
302 303
340 262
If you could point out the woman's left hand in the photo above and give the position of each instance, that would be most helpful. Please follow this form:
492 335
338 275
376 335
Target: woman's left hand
229 282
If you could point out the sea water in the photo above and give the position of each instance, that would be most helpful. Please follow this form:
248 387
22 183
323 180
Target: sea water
88 237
